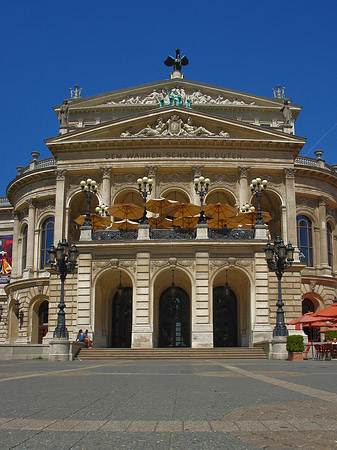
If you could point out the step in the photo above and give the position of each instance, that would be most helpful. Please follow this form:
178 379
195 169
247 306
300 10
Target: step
167 353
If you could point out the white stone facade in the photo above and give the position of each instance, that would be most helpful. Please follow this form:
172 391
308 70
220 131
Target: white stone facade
229 136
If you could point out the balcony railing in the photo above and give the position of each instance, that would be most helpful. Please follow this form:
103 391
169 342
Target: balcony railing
4 201
36 165
173 234
317 163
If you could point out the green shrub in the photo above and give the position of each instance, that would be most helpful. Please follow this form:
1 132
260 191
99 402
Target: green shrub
295 343
330 334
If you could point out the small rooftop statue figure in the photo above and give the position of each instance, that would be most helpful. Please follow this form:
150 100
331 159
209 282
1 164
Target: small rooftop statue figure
287 114
63 113
177 62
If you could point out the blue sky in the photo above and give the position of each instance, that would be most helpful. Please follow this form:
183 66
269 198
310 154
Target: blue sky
250 46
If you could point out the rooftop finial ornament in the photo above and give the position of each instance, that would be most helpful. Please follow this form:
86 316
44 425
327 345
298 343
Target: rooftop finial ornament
278 92
176 62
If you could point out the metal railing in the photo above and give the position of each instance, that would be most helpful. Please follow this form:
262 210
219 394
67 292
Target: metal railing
173 234
4 201
230 234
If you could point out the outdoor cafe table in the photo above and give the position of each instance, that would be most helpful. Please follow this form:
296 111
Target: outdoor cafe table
325 350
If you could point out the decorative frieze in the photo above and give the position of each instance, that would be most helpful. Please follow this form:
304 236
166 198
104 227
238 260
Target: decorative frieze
113 263
46 205
172 262
307 203
174 126
231 261
196 97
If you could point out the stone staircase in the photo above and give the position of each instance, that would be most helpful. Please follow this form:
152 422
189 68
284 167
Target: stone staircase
172 353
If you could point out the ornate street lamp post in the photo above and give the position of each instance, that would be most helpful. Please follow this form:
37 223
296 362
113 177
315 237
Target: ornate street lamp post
257 188
63 260
145 189
201 186
279 258
89 188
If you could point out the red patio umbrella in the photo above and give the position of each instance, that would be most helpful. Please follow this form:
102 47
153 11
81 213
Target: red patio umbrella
330 311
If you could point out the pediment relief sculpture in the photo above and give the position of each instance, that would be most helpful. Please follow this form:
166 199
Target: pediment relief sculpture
178 97
174 126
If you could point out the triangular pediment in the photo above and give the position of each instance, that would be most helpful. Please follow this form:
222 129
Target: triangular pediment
173 123
196 93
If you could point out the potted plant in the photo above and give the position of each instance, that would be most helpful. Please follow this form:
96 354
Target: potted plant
295 347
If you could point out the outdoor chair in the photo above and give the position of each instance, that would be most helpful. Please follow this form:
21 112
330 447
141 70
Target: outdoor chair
306 352
319 351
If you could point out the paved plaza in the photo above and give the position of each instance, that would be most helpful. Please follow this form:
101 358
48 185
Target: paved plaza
176 405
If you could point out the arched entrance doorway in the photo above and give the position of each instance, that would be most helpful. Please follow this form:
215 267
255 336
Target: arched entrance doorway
174 318
113 309
43 321
309 305
225 328
121 318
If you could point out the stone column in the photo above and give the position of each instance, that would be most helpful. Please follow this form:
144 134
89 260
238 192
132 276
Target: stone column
15 249
106 185
59 230
323 238
142 320
30 238
244 187
202 324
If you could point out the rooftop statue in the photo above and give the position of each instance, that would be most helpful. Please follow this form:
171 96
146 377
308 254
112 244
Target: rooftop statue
287 114
63 113
177 62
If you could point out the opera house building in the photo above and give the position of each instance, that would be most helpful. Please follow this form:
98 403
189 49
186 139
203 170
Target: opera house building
165 199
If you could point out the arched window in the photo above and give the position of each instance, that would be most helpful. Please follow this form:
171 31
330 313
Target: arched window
329 237
304 239
24 246
47 239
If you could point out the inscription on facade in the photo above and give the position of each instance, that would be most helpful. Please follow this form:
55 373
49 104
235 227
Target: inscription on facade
185 155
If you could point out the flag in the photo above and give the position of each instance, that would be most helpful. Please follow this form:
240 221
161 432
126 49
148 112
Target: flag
6 268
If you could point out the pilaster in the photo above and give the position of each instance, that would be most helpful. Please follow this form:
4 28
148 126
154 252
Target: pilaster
84 282
243 177
323 239
290 233
106 185
202 325
59 205
259 306
15 249
30 238
142 319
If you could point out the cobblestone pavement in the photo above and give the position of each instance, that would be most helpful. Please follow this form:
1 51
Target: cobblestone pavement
171 405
